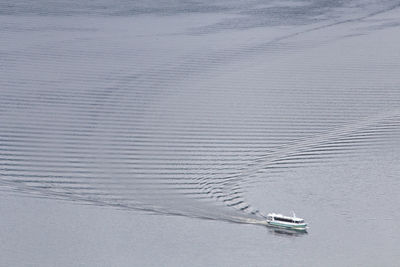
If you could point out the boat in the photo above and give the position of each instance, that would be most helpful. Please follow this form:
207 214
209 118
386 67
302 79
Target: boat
287 222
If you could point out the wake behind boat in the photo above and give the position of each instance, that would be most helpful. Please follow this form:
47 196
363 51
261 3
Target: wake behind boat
287 222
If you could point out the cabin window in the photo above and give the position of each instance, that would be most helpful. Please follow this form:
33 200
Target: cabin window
287 220
283 219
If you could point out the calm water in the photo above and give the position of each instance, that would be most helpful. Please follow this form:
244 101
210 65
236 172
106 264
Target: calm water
156 133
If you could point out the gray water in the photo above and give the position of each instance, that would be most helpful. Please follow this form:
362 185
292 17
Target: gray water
157 133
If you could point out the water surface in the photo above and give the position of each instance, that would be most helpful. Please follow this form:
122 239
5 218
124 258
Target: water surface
132 113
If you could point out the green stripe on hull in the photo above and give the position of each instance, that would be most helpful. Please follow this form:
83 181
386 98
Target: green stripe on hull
295 227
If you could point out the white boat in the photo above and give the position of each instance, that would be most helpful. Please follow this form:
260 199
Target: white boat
287 222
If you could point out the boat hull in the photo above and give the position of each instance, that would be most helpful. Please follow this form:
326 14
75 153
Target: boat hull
297 227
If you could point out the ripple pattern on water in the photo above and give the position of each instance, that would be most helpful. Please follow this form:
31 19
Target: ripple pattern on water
172 121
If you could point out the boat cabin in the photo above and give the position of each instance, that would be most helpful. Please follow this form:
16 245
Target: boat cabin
285 219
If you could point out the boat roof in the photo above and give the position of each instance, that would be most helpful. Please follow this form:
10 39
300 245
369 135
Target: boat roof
285 217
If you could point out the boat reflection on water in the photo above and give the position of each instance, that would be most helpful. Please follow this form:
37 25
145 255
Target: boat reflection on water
286 232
